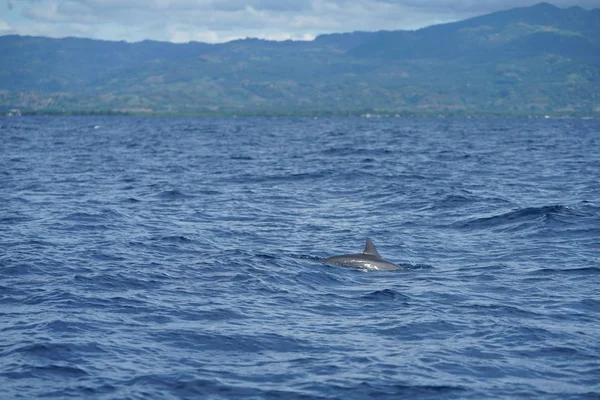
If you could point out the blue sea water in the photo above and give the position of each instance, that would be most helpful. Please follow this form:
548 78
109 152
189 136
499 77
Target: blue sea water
178 258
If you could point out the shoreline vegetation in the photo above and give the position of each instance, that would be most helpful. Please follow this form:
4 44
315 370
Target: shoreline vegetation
308 114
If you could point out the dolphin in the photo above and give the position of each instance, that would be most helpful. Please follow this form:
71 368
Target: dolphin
369 259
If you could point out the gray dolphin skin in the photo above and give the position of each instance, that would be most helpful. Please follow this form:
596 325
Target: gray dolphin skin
369 259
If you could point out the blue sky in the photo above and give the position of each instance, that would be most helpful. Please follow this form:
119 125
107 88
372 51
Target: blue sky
223 20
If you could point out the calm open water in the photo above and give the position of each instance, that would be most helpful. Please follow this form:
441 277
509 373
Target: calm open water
178 258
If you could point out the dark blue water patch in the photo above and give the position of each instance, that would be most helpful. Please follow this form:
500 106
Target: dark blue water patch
189 386
15 219
385 295
500 311
81 390
55 351
516 219
454 201
115 280
242 158
215 313
180 258
173 194
51 296
582 271
417 331
48 372
560 353
16 268
172 239
18 139
589 305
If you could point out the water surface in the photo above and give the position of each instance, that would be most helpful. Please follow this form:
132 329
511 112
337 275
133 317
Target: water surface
178 258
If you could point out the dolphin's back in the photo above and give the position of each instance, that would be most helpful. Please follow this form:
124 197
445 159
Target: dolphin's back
369 259
362 262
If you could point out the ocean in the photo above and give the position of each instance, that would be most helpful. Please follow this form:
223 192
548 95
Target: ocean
179 258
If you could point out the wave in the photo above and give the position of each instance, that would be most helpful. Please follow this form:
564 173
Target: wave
101 216
517 218
385 295
173 194
49 371
570 271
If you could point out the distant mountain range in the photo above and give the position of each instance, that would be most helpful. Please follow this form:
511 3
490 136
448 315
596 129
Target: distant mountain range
524 61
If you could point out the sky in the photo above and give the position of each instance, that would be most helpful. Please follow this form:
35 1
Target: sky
214 21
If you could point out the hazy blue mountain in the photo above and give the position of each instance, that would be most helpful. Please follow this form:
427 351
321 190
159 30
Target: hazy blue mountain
539 59
529 31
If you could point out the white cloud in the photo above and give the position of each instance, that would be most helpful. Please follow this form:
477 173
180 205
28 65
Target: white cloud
47 12
4 26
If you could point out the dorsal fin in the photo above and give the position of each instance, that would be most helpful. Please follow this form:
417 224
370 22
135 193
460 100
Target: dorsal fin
370 249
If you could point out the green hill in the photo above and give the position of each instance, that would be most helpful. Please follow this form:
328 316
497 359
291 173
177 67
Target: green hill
532 60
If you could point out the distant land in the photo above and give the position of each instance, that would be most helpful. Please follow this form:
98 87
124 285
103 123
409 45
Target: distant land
539 60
